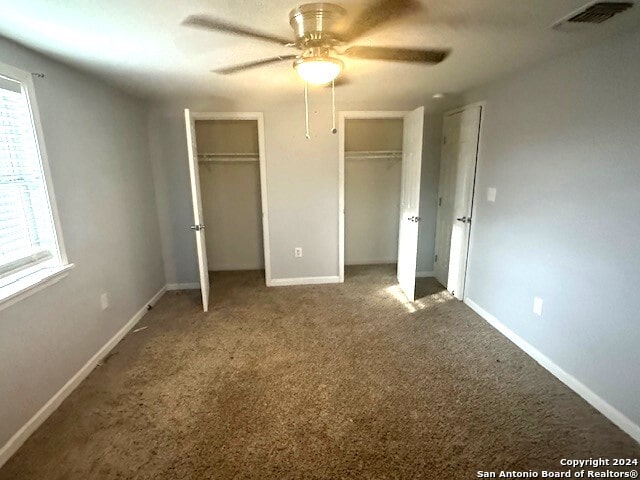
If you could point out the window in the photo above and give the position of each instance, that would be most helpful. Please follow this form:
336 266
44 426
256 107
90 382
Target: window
30 242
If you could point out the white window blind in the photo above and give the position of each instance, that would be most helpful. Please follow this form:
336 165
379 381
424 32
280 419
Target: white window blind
27 234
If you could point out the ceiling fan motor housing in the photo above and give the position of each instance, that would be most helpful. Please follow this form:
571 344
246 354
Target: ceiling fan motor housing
316 24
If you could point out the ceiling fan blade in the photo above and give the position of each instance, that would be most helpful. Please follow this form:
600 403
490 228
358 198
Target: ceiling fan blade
210 23
398 54
257 63
379 12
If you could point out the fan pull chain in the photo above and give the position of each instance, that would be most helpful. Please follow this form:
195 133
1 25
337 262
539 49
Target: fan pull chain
306 110
333 106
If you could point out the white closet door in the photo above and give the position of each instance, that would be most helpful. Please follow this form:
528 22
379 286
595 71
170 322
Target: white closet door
410 201
198 226
444 223
457 180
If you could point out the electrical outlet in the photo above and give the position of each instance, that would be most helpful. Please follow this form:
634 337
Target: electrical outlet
104 300
537 306
297 252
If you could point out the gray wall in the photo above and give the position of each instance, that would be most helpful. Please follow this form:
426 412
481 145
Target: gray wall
372 192
230 193
227 136
561 144
302 181
373 134
96 139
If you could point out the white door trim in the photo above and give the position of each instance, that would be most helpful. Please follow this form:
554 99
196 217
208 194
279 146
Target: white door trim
342 117
259 117
453 111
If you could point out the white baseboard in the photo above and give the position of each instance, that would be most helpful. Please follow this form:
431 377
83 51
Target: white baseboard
18 438
425 274
183 286
234 268
281 282
597 402
388 261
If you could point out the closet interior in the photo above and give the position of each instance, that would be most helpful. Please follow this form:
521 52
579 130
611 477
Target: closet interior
373 169
229 171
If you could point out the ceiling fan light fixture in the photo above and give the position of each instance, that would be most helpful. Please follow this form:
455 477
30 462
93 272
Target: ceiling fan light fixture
318 70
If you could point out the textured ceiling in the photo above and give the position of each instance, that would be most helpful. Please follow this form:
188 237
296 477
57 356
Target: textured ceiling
140 45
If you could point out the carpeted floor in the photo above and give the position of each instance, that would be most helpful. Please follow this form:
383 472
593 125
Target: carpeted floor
326 382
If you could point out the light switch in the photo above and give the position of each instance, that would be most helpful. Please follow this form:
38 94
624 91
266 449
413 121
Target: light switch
491 194
104 300
537 306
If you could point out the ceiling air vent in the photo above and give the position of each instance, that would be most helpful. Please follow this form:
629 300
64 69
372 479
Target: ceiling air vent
593 13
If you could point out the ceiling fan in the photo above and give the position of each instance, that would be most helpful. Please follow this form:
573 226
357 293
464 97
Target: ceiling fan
319 32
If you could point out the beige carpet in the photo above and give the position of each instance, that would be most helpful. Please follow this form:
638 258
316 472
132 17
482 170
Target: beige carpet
329 381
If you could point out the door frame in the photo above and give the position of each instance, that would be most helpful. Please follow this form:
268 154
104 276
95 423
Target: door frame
262 158
474 205
342 118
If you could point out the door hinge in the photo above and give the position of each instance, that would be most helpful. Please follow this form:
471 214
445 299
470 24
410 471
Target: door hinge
436 259
440 202
444 140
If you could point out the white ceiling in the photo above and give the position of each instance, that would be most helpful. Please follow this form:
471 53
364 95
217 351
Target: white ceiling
141 46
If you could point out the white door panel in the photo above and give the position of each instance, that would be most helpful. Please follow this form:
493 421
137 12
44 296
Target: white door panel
444 224
410 201
198 218
457 180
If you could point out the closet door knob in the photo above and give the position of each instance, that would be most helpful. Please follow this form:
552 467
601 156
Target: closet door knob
197 228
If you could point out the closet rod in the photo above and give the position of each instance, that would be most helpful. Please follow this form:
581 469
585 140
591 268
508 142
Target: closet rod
228 157
228 160
207 155
374 155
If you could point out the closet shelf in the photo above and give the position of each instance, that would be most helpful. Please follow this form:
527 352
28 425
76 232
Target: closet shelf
228 157
373 155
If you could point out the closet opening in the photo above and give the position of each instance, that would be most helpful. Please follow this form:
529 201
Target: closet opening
372 192
379 181
230 186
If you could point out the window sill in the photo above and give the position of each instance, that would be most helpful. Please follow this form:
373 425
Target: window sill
31 284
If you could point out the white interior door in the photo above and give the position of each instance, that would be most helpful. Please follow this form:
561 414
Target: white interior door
410 201
198 225
444 223
457 180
